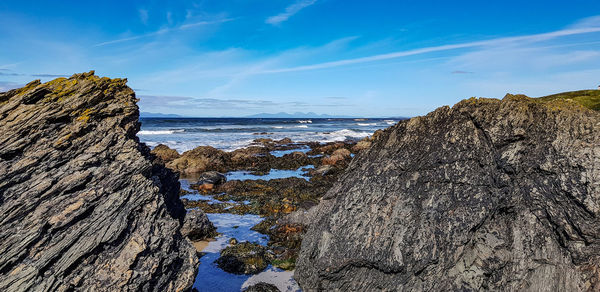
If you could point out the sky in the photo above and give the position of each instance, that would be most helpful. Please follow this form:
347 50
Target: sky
339 57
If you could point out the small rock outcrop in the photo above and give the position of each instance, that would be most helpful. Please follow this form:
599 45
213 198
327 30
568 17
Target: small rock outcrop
500 195
244 258
164 153
196 226
83 206
262 287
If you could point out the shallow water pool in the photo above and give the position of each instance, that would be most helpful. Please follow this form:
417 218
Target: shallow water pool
273 174
211 278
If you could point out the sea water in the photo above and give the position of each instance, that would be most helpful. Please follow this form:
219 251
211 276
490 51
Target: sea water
183 134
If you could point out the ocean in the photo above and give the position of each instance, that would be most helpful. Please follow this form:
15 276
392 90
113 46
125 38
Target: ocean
228 134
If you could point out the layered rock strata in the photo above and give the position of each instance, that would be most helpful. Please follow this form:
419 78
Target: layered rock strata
83 206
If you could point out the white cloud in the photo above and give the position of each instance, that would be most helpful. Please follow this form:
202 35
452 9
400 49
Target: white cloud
487 43
593 21
165 30
289 11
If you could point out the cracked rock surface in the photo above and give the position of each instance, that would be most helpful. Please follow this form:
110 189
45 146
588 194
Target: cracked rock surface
487 195
83 206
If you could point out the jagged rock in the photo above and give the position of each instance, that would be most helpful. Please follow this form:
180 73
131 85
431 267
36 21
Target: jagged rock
262 287
323 170
339 156
212 177
83 206
244 258
196 226
200 159
486 195
328 148
284 141
207 181
362 145
164 153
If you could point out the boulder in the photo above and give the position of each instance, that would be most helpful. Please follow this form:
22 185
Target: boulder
362 145
83 205
244 258
207 181
200 159
323 170
343 152
500 195
284 141
164 153
196 226
262 287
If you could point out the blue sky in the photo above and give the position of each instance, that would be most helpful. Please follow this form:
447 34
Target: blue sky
344 57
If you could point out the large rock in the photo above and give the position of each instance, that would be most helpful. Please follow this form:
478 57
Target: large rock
486 195
262 287
200 159
244 258
83 207
164 153
196 226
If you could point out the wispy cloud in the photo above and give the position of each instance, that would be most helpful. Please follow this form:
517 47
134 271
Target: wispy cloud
461 72
143 15
289 11
7 72
49 75
203 103
493 42
184 102
164 31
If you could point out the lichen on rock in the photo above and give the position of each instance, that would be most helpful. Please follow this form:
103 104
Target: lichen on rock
84 207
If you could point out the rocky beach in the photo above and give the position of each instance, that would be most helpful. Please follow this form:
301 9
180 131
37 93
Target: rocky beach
258 198
486 195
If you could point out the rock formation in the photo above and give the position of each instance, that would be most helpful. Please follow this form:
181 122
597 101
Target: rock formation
244 258
262 287
486 195
83 206
196 226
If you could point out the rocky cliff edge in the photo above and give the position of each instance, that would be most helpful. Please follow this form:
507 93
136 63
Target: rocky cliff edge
83 206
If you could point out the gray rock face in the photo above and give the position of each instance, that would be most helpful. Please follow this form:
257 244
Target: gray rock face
83 207
196 226
212 177
486 195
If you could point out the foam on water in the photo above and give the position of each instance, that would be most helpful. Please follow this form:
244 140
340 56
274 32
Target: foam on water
160 132
281 153
185 134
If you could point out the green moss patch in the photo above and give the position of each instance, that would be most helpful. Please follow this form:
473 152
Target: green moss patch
588 98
